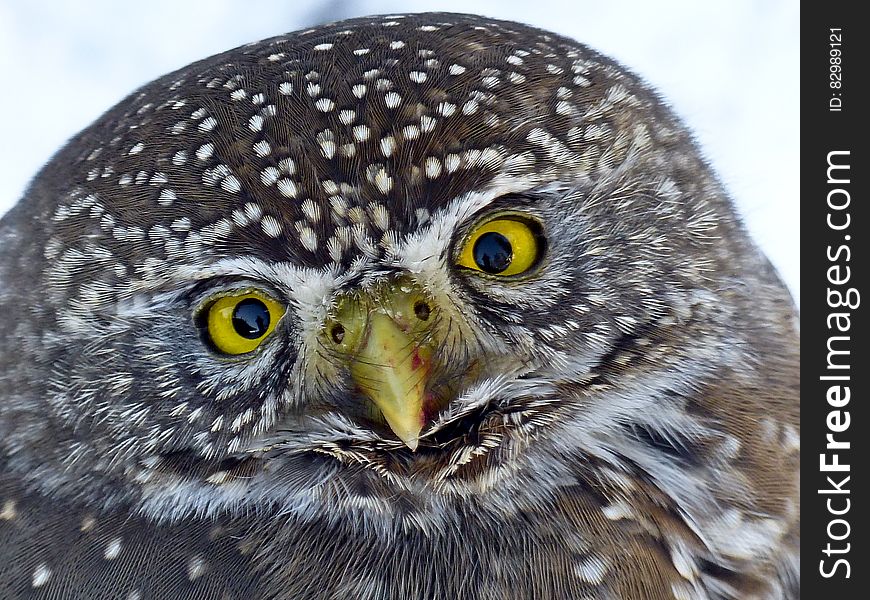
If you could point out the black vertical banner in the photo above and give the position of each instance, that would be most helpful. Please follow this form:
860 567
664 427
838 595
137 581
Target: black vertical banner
835 357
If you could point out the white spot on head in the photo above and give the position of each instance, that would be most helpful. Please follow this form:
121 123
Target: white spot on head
208 124
196 413
271 226
217 423
446 109
380 216
8 513
417 76
205 151
359 90
347 116
179 158
361 51
308 238
262 148
388 145
456 69
137 148
41 575
286 88
167 197
113 548
427 123
335 248
286 165
258 98
288 188
470 107
327 148
253 211
239 94
311 210
514 60
269 176
410 132
392 99
564 107
196 567
322 47
255 123
338 205
396 45
383 181
361 133
591 569
433 167
88 523
231 184
356 214
324 105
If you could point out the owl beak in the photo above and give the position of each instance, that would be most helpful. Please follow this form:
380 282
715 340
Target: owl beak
391 368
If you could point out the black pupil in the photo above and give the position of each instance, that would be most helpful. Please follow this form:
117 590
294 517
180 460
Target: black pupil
251 318
492 252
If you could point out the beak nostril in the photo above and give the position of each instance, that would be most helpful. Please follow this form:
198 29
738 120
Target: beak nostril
337 333
422 310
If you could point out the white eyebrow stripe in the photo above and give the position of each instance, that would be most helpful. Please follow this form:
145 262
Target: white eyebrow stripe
309 290
423 252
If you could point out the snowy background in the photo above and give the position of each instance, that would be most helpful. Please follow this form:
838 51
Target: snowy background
729 68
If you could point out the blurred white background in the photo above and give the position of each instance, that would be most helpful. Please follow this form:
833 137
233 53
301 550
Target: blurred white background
728 67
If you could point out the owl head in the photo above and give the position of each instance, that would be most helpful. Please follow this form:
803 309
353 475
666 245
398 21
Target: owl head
410 251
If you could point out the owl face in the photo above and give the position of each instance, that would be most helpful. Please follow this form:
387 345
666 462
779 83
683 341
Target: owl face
356 252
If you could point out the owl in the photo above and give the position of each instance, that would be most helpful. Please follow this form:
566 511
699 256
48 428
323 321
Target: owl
411 307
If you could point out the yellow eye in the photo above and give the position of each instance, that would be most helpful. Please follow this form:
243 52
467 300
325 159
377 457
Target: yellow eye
238 324
502 246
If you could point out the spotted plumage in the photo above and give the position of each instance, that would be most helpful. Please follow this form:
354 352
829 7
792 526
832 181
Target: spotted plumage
606 410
